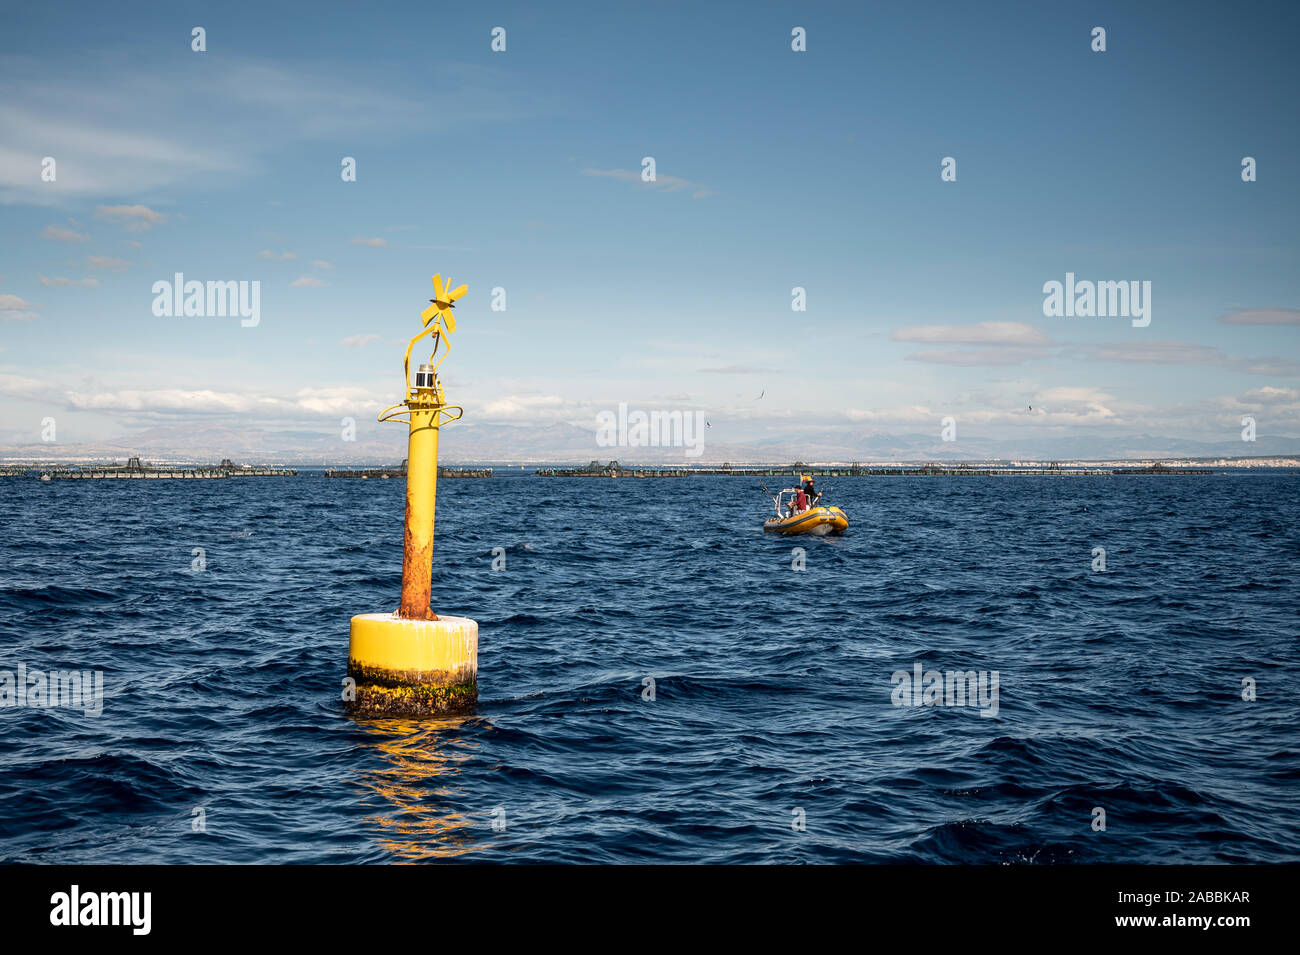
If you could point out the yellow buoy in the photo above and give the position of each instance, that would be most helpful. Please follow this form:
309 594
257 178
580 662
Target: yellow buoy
405 667
413 662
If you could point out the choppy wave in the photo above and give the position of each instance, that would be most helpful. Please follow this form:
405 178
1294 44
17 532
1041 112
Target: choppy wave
772 735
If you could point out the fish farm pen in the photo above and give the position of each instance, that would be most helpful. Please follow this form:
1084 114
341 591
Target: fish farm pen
1161 469
134 468
399 471
614 469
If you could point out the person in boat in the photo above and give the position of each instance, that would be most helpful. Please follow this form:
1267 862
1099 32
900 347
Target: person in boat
809 490
795 504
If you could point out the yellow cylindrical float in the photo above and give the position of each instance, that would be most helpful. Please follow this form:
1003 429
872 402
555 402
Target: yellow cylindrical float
413 662
405 668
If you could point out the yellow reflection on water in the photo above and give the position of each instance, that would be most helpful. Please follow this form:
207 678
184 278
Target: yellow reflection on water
415 822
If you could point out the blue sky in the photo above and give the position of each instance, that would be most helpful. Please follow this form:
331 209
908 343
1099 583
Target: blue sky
520 169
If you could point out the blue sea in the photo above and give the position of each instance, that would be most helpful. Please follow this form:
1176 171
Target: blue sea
775 728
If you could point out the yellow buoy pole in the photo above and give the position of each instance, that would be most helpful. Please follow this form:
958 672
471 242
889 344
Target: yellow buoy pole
414 662
421 502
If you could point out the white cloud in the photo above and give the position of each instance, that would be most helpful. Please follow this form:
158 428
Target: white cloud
536 408
105 262
660 183
358 341
167 399
1064 406
120 127
1263 316
136 218
308 281
16 309
900 414
1073 394
336 401
321 264
177 401
736 370
1185 353
94 160
17 386
1273 367
1074 404
60 234
1269 394
268 254
977 356
61 281
1155 353
985 333
374 243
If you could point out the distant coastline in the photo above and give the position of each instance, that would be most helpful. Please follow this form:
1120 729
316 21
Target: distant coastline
23 463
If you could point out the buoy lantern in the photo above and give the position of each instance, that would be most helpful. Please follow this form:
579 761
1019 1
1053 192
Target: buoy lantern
413 662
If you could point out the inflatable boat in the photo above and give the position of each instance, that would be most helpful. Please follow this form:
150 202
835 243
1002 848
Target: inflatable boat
819 519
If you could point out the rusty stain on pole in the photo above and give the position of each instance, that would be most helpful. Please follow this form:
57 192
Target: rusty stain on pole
421 503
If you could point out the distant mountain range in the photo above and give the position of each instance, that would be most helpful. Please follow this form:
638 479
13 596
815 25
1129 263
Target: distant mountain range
568 444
